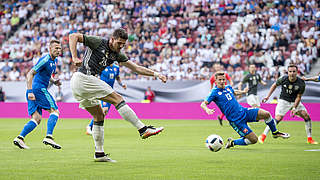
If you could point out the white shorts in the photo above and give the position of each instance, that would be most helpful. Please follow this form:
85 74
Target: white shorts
253 100
88 89
284 106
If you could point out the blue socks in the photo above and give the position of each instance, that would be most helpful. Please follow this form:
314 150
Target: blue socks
28 128
53 118
272 124
240 142
91 124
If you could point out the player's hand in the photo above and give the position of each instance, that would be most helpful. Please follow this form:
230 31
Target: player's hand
265 99
303 78
57 82
246 89
210 111
124 86
293 112
31 96
77 61
163 78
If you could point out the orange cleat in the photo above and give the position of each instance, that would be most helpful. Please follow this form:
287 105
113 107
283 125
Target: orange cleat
261 138
311 141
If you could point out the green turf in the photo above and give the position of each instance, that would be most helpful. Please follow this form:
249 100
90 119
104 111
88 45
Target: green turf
177 153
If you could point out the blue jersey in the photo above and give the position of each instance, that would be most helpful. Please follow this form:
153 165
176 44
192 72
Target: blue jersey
109 74
227 103
44 68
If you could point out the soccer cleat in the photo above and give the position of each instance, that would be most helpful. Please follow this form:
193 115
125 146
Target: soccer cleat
229 143
311 141
48 140
280 134
220 120
150 131
18 141
101 157
88 130
261 138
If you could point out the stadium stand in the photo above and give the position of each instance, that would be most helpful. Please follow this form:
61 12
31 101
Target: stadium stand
181 38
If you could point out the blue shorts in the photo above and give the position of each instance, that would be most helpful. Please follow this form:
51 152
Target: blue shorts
105 104
44 100
241 126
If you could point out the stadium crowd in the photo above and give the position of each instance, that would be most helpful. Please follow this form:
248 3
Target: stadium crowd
182 38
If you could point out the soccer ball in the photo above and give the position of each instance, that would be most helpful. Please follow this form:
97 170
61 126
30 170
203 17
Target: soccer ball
214 142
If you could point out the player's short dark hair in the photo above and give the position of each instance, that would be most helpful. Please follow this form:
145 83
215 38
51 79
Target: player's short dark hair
220 73
120 33
54 41
293 65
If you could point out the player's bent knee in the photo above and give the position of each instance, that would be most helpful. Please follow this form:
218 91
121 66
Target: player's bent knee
254 140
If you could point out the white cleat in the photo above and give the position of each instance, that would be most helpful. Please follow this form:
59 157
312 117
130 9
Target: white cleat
18 141
88 130
150 131
104 158
49 141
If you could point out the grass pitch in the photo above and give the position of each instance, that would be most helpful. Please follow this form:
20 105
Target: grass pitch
177 153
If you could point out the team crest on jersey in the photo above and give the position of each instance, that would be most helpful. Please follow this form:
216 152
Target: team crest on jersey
296 87
115 69
290 86
228 90
219 93
245 130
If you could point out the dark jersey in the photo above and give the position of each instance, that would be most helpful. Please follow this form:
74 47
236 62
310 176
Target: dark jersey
290 90
98 55
253 81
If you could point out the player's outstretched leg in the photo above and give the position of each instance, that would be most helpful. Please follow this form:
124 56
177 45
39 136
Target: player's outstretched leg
89 128
128 114
262 114
29 127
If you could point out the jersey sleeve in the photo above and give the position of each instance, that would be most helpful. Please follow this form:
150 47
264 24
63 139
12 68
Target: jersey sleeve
228 77
212 79
118 71
122 58
279 81
303 87
92 41
41 64
211 96
230 87
245 79
259 78
319 78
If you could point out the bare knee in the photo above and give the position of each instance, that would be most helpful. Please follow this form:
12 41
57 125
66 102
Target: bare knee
37 118
254 140
55 111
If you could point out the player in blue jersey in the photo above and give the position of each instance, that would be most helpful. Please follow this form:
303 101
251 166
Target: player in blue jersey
39 98
237 115
109 75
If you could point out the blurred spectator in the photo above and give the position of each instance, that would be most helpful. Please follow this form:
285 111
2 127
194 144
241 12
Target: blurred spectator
2 95
149 94
59 95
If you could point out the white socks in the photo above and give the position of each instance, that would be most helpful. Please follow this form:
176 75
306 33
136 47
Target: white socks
308 128
98 137
129 115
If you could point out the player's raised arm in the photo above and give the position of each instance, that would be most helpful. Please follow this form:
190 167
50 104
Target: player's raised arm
314 78
206 109
143 71
73 40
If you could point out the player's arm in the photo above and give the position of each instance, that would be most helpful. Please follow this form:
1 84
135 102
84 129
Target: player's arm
263 83
204 106
30 77
124 86
314 78
143 71
240 92
296 103
56 82
74 38
273 87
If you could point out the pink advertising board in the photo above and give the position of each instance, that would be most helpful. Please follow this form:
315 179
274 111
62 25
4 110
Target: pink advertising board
191 111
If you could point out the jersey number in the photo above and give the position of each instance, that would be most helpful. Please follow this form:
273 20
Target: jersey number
229 97
289 91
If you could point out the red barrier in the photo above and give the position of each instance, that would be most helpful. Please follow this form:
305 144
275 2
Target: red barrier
190 111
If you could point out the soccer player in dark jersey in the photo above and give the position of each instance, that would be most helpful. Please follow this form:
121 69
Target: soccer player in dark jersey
89 90
39 98
238 116
217 68
252 79
292 88
109 75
